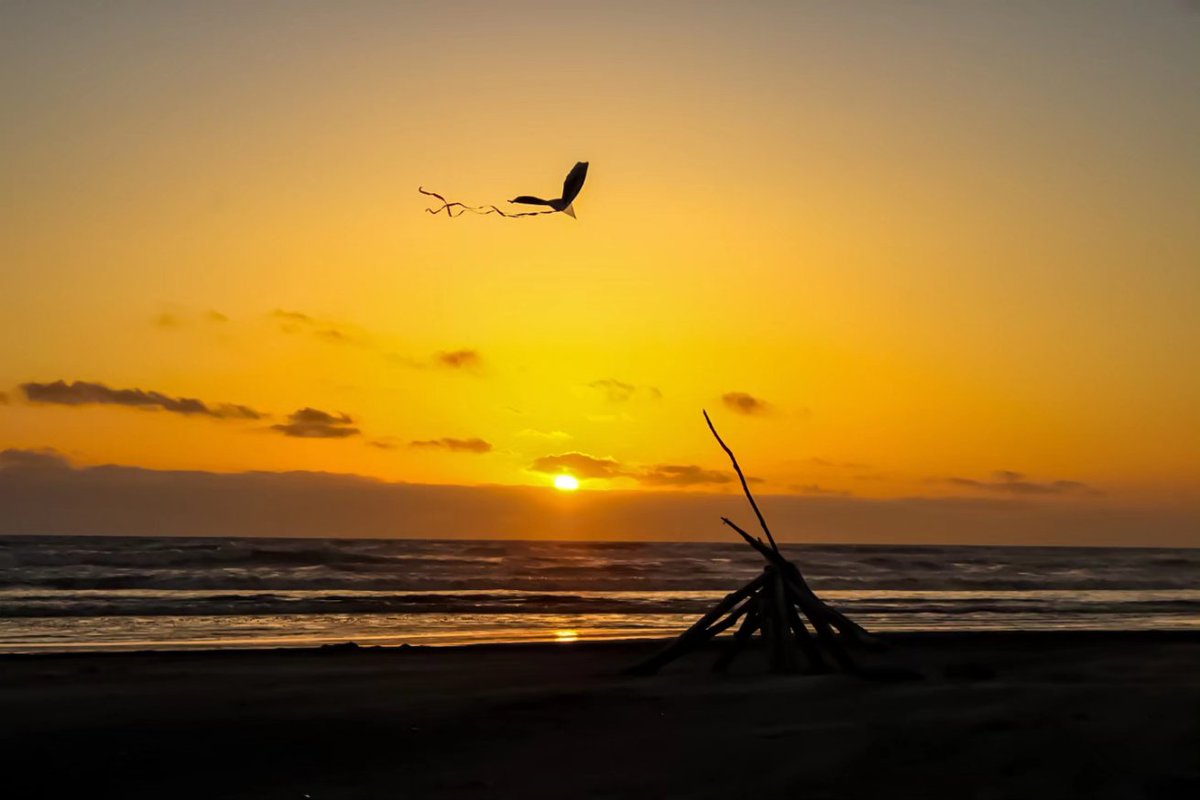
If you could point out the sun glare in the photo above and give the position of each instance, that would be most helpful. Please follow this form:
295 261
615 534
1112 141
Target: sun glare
566 483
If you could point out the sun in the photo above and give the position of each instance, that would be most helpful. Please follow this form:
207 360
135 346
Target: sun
566 483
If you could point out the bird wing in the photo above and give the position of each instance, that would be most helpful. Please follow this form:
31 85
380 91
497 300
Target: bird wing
574 182
530 200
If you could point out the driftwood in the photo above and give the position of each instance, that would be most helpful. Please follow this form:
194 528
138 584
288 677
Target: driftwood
779 605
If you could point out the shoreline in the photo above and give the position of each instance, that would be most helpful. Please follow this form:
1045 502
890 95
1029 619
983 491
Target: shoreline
1077 714
1011 638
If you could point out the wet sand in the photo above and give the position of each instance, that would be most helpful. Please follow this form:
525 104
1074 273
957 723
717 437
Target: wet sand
1071 715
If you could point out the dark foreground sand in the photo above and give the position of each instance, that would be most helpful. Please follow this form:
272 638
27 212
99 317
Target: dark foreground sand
1064 715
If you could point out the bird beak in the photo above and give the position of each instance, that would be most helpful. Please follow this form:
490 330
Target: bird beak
570 211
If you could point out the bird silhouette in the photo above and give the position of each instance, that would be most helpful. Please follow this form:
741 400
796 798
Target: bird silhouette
571 187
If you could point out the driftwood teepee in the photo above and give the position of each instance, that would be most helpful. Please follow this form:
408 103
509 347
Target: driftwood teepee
778 604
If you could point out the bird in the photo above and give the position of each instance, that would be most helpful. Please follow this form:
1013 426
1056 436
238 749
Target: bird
570 191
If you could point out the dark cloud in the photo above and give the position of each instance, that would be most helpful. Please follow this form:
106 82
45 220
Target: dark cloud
580 465
44 458
473 445
616 391
312 423
166 320
681 475
745 403
459 359
78 393
1009 482
212 315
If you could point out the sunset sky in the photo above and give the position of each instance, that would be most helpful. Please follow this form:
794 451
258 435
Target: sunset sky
902 252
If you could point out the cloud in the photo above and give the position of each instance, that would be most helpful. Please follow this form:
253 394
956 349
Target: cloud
312 423
294 317
813 488
169 320
681 475
580 465
1008 482
587 467
616 391
299 322
123 500
536 434
745 403
474 445
78 393
42 459
459 359
825 462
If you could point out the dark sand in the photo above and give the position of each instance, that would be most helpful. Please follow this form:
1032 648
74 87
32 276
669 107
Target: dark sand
1063 715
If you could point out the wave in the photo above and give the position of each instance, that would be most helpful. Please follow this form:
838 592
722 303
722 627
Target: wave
81 563
101 603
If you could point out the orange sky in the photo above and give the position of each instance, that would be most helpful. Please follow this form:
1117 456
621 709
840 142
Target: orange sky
942 244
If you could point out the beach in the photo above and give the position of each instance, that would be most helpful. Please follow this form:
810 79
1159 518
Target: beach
993 715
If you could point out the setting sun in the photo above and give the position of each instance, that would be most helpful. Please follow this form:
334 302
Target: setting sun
566 483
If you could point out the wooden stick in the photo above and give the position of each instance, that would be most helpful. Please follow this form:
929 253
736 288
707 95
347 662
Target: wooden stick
749 625
772 556
786 654
820 614
745 486
816 615
770 625
843 623
694 634
729 621
805 641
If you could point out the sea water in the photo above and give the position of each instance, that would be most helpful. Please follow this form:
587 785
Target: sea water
63 593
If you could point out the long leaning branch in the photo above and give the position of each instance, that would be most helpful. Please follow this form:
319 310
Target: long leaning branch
762 523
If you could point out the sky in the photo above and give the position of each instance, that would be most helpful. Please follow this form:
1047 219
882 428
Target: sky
923 253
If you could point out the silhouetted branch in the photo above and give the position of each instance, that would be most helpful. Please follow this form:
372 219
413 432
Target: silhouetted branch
700 631
749 625
745 486
772 556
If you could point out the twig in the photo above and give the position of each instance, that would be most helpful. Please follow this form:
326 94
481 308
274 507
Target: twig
745 486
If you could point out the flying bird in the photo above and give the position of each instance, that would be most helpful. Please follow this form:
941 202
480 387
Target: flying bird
571 188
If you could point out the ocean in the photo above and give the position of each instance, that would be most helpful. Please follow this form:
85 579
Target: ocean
70 593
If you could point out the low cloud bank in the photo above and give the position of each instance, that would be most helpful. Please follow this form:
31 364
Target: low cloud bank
41 493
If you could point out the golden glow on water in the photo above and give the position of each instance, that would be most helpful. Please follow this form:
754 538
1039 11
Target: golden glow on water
566 635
